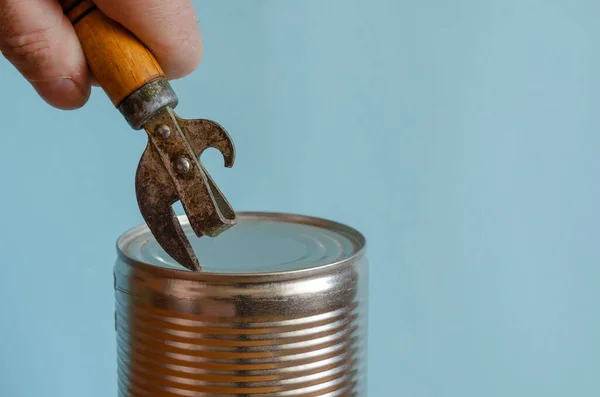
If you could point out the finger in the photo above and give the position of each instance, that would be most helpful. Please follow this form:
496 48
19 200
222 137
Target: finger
168 28
41 43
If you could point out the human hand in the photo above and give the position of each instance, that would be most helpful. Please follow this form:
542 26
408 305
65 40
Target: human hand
41 43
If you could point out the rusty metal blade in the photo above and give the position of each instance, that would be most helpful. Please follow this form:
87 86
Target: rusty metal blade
228 217
202 134
155 195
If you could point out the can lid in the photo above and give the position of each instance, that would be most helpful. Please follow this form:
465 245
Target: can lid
259 243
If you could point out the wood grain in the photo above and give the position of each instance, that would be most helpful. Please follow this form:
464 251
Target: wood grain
119 61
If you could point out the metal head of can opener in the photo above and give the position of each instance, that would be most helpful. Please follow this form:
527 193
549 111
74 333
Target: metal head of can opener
170 168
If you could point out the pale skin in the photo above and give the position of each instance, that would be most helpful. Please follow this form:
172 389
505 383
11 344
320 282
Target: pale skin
41 43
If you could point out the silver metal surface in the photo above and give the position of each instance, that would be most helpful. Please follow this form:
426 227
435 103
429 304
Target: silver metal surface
143 104
292 324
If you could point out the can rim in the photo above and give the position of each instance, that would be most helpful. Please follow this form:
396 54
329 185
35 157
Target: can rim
353 234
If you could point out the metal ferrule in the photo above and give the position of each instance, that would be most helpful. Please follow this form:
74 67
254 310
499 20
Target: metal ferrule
141 105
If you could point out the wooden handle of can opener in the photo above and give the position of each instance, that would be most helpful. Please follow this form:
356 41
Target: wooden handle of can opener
118 60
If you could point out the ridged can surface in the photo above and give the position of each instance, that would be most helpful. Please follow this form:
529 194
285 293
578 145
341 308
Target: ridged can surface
282 311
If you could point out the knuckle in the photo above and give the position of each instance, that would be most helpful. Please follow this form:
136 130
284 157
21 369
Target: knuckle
28 51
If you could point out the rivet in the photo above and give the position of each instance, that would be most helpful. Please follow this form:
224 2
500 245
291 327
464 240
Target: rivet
163 131
182 165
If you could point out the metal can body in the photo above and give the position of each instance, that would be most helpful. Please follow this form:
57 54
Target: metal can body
298 332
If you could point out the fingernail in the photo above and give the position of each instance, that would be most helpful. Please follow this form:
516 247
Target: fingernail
63 93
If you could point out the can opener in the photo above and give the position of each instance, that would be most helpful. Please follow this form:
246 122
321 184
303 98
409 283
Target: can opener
170 167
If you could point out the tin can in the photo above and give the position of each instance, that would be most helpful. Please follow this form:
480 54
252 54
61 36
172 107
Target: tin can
280 309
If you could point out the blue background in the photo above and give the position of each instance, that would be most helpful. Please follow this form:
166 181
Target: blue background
462 137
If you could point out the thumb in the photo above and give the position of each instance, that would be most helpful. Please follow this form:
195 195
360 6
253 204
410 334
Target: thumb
41 43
